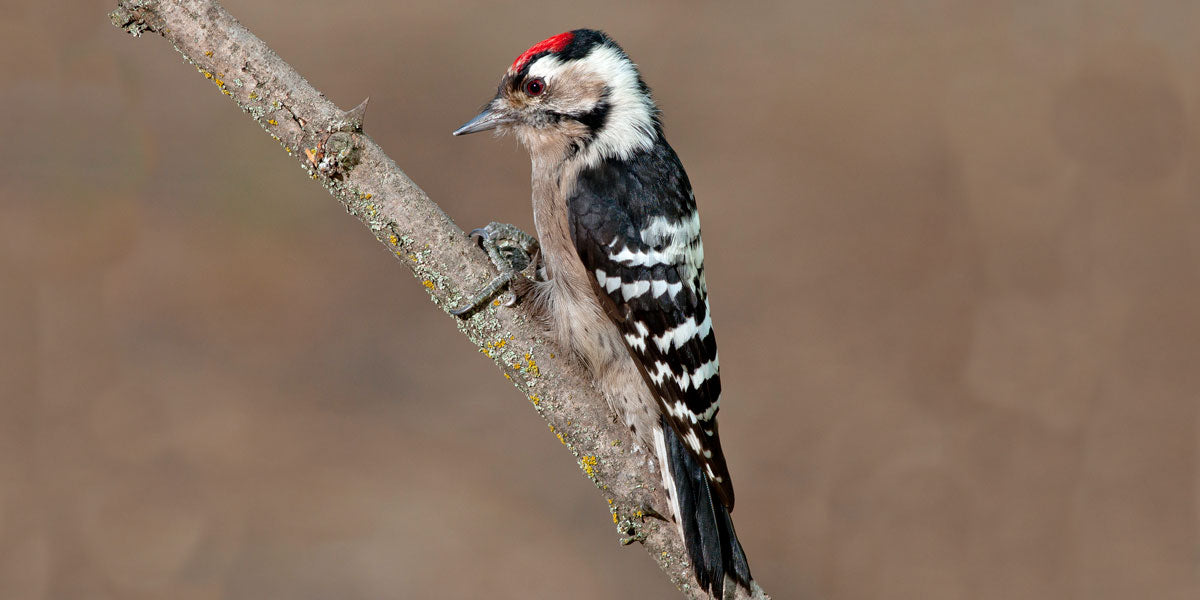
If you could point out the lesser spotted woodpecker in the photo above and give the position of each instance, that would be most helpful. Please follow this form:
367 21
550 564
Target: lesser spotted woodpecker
623 268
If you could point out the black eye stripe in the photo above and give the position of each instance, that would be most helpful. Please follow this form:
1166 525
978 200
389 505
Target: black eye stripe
595 118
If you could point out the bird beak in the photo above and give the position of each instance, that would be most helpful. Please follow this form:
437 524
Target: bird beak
491 118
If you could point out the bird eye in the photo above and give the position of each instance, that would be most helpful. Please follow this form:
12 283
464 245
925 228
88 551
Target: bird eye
535 87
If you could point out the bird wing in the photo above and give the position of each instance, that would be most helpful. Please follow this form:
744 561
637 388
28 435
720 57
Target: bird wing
636 229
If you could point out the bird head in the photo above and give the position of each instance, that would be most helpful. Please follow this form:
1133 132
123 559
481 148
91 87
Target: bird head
574 94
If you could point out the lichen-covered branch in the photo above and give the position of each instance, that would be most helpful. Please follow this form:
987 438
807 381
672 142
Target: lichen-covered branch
330 143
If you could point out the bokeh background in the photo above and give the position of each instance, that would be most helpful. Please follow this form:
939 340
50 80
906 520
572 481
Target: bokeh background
954 251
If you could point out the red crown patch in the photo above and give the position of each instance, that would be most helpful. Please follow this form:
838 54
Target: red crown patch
554 44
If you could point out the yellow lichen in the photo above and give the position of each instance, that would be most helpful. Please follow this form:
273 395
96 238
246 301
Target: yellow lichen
589 465
561 438
272 122
366 196
208 52
393 239
253 96
614 518
535 400
429 284
207 75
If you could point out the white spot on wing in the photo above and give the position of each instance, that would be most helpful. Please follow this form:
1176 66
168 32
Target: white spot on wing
627 257
662 370
679 411
669 242
635 289
711 475
658 288
703 372
709 412
638 341
679 232
685 332
641 258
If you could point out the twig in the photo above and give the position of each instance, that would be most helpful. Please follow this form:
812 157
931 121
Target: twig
330 144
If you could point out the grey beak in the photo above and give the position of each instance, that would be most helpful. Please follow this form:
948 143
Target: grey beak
490 118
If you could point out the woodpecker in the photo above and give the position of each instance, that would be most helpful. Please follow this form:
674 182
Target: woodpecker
622 264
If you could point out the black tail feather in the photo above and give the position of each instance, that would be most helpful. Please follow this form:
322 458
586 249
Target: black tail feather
708 533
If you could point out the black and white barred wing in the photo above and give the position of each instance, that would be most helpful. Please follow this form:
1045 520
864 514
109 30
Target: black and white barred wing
648 261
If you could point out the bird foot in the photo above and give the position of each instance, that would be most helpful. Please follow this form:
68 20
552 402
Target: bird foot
631 532
512 251
631 527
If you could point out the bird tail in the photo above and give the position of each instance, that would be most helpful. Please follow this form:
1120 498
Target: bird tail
707 528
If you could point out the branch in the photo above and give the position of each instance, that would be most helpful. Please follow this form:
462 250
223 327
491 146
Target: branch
330 143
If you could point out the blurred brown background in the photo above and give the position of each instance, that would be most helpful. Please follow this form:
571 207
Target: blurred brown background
955 261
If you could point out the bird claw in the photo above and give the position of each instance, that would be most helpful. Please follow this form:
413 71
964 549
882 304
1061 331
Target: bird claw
648 511
511 251
631 526
632 532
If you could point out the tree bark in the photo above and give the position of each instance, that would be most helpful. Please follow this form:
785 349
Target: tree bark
330 143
